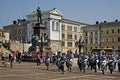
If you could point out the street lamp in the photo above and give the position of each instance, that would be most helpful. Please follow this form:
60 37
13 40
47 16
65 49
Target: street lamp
100 34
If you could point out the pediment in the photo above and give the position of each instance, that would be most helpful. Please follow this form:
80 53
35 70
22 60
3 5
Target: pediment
56 11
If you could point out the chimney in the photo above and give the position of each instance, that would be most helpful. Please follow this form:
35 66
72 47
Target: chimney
19 21
97 22
14 22
24 20
116 20
105 21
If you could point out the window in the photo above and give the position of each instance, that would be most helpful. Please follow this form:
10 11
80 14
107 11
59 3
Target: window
57 26
63 43
0 35
112 31
96 32
91 40
86 41
113 39
69 36
75 29
69 28
101 32
85 33
63 36
118 46
118 39
75 37
63 27
91 48
118 30
107 32
91 33
96 40
113 47
19 31
53 25
69 44
107 40
86 49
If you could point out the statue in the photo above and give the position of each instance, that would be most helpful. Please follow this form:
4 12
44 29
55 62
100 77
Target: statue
46 39
34 39
39 15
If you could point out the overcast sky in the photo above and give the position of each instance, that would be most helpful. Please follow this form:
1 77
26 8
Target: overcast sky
86 11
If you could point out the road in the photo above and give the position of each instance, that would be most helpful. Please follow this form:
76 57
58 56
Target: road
29 71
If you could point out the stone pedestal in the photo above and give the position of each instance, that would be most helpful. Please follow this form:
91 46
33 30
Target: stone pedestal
39 29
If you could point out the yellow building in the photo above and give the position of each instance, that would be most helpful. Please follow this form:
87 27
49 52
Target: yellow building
4 42
102 35
4 36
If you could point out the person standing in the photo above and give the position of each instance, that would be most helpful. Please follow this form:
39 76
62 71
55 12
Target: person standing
11 58
118 58
38 58
19 57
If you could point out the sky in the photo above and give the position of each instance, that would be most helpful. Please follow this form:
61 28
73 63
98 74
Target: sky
85 11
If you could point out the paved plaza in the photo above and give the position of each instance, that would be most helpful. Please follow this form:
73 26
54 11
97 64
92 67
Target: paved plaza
29 71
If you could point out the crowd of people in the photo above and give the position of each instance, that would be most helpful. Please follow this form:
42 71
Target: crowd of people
93 61
85 61
14 56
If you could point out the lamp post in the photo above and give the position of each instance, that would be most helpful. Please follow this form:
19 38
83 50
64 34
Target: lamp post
100 34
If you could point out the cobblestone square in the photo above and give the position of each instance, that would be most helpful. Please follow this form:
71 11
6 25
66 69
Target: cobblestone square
29 71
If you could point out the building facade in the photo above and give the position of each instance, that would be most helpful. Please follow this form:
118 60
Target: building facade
18 35
71 33
102 35
17 30
61 38
4 36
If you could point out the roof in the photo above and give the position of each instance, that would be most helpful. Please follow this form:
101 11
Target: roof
103 24
71 21
2 30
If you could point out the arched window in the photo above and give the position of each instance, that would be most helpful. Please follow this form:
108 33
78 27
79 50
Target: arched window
53 25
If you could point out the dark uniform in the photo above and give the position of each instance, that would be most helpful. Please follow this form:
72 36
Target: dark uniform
81 62
62 62
118 62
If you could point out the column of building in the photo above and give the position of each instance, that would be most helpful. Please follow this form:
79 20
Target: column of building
93 37
88 38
